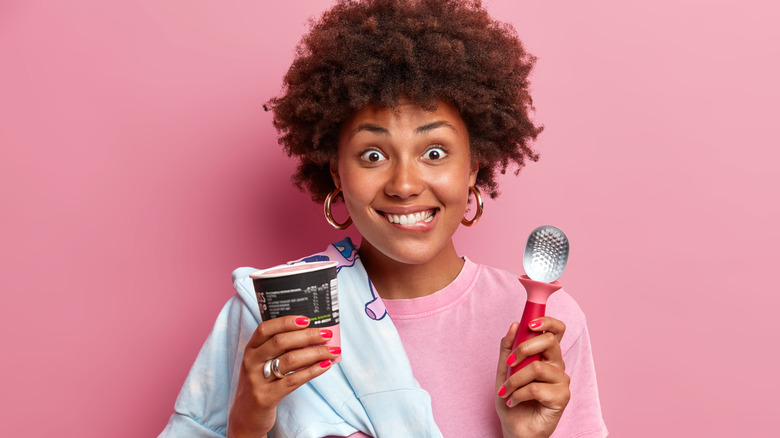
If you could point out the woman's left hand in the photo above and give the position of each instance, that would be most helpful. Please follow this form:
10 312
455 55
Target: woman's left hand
531 401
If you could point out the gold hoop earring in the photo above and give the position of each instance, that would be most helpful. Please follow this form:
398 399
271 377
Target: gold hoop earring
480 208
329 216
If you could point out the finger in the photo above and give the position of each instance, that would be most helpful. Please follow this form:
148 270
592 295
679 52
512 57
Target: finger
282 343
267 329
293 381
554 356
535 372
305 357
548 324
545 344
552 396
504 352
308 362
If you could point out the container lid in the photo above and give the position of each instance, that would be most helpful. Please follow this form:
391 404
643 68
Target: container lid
299 268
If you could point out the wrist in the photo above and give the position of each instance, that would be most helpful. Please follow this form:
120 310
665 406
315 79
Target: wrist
240 429
233 433
506 433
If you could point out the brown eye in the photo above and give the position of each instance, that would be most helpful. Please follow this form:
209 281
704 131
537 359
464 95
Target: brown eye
435 153
372 156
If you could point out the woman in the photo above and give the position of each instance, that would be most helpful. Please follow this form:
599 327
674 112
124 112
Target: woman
404 108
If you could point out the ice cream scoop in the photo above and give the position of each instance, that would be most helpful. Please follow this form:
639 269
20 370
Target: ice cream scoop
544 259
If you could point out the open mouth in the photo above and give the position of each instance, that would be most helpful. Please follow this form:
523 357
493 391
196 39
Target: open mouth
411 218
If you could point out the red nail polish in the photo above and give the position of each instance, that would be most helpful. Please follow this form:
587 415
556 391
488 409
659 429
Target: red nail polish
325 363
501 391
511 359
334 350
509 402
535 324
302 320
325 333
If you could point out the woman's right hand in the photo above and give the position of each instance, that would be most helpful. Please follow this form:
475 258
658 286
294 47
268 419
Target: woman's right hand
254 408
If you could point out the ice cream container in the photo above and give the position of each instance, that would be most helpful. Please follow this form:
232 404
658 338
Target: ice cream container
308 289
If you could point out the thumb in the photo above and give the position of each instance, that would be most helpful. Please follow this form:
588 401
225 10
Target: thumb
504 352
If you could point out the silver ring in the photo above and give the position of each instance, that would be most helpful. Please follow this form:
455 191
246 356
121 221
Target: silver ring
267 369
275 369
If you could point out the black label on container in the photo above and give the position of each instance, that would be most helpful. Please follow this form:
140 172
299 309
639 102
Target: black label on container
312 294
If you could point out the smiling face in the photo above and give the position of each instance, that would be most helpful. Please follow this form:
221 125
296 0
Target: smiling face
405 178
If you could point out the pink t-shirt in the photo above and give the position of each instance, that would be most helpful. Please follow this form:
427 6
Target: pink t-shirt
452 338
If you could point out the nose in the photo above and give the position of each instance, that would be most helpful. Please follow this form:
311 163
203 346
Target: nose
405 180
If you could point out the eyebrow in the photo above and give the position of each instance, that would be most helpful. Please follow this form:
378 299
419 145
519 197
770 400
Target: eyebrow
376 129
435 125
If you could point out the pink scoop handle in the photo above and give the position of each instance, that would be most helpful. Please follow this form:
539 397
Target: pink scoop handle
531 312
538 292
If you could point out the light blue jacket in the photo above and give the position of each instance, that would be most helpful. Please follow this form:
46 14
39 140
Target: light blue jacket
370 390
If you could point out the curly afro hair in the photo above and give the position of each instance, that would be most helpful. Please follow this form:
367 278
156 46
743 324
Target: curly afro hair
380 51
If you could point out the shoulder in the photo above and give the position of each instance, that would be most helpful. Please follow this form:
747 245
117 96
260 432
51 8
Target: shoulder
561 305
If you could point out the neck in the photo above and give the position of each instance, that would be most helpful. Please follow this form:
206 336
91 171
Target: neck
395 280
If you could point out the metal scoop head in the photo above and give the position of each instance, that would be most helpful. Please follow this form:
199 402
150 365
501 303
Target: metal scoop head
546 253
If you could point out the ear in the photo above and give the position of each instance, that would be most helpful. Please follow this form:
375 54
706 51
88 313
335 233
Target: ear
334 171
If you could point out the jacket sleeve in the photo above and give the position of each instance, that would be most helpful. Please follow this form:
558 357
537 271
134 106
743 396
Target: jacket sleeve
202 407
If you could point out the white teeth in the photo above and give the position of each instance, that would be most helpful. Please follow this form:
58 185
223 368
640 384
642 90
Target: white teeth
410 219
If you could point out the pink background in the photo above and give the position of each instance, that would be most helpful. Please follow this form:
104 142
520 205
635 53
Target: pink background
138 169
